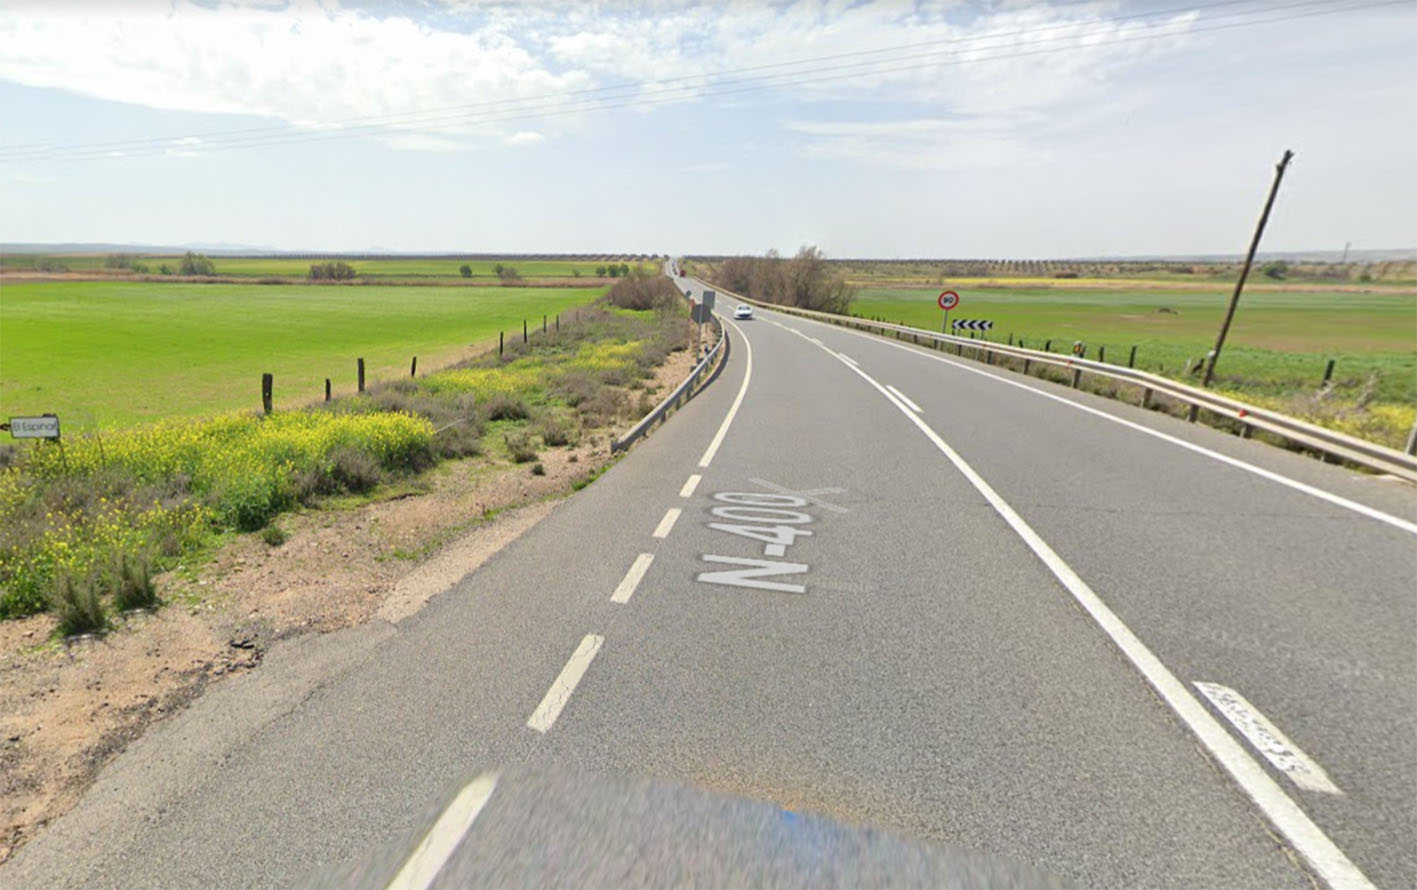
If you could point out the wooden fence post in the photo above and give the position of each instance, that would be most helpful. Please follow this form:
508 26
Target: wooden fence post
524 330
413 368
361 375
499 343
267 384
327 389
1132 359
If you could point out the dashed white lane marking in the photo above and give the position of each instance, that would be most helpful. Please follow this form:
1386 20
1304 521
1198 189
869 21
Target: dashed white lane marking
733 409
689 486
632 578
1322 854
1337 500
900 395
1266 738
560 691
667 523
432 853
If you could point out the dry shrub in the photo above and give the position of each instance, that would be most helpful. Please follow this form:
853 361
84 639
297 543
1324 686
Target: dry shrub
133 584
519 446
503 407
643 290
354 470
603 409
74 601
556 431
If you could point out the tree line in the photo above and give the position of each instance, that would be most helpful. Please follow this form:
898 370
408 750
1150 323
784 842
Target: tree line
805 281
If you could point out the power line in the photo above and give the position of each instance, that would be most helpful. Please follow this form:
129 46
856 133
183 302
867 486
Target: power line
395 118
657 98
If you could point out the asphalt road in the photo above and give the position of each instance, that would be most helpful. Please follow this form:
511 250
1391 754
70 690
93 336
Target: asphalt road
968 614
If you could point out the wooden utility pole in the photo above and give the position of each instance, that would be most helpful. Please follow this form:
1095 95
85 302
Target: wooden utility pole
1244 273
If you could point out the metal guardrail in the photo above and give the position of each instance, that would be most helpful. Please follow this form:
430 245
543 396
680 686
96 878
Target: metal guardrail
681 394
1251 417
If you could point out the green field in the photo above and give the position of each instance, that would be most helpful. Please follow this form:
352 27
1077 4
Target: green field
383 267
1276 351
103 354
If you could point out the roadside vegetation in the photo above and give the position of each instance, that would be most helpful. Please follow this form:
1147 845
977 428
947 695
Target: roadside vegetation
85 525
806 281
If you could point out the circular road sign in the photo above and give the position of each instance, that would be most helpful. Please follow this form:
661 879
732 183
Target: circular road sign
948 300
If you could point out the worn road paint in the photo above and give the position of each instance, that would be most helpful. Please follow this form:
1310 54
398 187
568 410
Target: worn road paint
632 578
1266 738
432 853
560 691
689 486
667 523
754 569
810 494
902 396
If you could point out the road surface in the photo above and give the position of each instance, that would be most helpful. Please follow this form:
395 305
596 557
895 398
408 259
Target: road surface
857 580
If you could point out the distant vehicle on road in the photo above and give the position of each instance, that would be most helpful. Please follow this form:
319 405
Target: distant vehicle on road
743 311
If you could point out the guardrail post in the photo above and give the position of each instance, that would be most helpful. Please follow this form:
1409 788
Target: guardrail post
1146 397
1246 431
1077 377
1026 363
1412 441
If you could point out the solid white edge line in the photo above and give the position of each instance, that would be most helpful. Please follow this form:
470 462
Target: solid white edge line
904 398
1322 854
634 576
690 485
733 409
1337 500
431 854
1266 738
846 358
560 692
666 525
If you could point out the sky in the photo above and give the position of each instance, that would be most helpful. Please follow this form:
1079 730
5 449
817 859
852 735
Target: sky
873 128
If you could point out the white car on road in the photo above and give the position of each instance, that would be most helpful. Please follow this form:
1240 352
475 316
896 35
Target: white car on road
743 311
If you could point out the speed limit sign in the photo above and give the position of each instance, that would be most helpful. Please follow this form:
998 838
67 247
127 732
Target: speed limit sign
948 300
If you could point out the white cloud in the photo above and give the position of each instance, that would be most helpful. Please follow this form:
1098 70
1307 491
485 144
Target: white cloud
524 137
424 142
311 64
922 144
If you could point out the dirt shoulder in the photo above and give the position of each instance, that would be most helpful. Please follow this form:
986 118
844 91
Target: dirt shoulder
71 706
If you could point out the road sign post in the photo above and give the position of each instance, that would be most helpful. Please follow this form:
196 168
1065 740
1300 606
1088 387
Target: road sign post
45 426
947 301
